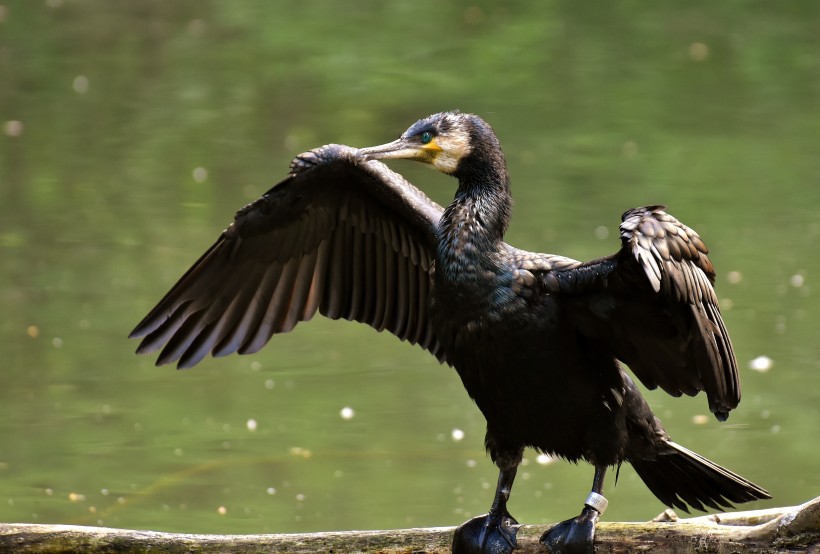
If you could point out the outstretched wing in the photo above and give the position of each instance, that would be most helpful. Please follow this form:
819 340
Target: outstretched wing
654 305
350 239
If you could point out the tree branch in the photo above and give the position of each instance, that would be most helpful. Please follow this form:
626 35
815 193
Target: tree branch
793 529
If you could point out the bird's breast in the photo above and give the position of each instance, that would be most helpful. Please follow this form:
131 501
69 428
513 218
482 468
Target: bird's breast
478 300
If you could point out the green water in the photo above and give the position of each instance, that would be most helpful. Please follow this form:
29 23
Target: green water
108 109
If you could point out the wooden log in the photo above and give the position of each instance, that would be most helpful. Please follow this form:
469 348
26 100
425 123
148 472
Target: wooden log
793 529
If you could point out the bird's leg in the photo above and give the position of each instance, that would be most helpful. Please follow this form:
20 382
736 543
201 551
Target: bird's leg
494 532
576 535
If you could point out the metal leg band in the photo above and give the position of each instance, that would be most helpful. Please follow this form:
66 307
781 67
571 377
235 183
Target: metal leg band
596 502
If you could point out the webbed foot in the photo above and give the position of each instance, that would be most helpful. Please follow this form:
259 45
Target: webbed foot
573 536
487 534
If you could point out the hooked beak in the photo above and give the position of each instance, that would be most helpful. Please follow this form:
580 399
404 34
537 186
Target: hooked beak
400 149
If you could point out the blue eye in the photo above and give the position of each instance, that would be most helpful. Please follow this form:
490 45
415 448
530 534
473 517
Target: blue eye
426 137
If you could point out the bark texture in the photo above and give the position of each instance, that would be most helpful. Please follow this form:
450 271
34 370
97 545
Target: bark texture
792 529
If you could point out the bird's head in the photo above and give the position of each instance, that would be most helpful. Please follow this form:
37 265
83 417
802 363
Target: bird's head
442 140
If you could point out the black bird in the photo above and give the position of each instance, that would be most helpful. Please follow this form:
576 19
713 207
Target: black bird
535 338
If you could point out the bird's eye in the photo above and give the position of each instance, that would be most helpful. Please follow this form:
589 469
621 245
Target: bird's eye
426 137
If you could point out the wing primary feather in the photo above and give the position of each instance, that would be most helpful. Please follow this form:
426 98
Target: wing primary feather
392 245
160 334
357 277
409 287
231 318
392 295
197 272
318 282
277 282
199 346
332 301
182 339
423 300
213 331
250 314
402 297
730 362
299 296
369 285
380 281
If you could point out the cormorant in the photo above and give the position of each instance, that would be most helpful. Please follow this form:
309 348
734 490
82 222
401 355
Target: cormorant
536 338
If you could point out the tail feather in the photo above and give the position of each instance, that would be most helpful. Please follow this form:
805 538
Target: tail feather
681 479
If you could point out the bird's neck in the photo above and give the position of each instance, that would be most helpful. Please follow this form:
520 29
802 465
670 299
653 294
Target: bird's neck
473 225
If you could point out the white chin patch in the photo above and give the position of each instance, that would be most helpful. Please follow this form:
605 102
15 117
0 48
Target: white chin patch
446 162
453 149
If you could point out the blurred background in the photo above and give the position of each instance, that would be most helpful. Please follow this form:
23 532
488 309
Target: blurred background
130 133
